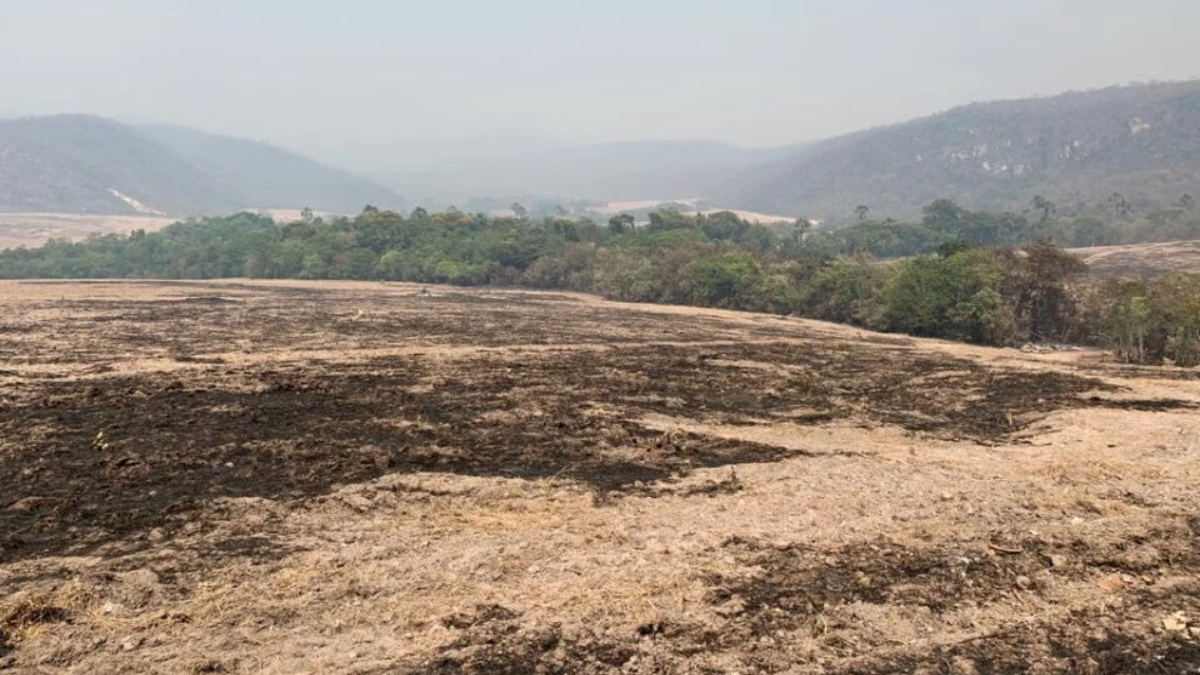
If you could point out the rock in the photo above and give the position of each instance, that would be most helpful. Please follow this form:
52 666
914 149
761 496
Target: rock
732 607
1194 523
1111 583
1176 623
358 502
28 504
1058 561
1024 583
130 644
140 578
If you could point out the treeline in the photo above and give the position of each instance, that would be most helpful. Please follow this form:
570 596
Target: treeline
945 221
998 295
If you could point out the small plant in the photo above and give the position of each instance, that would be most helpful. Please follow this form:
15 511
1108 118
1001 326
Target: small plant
100 442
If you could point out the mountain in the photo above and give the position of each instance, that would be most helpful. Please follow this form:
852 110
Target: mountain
81 164
621 171
1075 149
263 175
92 165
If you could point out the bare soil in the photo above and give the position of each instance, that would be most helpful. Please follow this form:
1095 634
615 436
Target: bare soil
243 477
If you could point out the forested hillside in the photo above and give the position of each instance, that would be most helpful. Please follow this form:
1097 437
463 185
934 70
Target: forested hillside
1125 148
75 163
265 176
91 165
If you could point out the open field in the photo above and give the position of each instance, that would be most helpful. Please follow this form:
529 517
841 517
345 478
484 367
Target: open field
365 478
763 218
1137 261
34 229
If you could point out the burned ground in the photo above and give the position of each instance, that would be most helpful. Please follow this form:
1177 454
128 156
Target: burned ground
110 458
197 430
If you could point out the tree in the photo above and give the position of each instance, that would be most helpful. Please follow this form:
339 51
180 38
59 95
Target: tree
944 215
1046 207
1036 288
1187 202
519 211
1119 206
720 279
620 223
861 211
723 226
1128 323
956 297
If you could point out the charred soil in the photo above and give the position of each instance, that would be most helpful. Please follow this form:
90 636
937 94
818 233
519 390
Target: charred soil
205 477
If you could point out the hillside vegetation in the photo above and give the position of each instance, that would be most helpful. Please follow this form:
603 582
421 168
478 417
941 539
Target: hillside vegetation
1001 295
72 164
1140 143
84 164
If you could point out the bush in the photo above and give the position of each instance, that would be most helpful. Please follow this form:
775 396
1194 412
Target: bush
1149 322
956 297
850 292
720 280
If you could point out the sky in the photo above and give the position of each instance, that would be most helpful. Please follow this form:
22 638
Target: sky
345 78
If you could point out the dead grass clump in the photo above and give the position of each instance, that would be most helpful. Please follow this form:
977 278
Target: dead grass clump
34 613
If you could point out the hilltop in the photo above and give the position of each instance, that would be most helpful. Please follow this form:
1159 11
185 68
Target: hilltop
91 165
1075 149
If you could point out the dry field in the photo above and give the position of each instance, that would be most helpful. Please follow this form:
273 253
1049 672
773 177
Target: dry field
1137 261
751 216
368 478
34 229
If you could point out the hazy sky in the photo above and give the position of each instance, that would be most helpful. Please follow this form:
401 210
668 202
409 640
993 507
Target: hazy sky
325 75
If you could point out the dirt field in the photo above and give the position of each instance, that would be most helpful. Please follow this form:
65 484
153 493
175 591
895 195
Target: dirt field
34 229
1142 260
752 216
368 478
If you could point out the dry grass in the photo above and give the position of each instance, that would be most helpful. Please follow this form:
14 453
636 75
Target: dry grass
34 229
385 569
1137 261
34 613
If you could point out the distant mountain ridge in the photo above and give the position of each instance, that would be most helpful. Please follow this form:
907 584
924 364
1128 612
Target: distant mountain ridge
92 165
615 171
1141 140
1075 149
